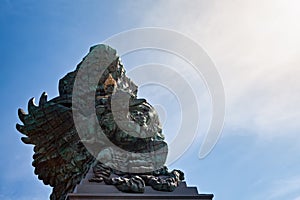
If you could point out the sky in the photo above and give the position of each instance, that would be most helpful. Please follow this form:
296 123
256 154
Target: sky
254 44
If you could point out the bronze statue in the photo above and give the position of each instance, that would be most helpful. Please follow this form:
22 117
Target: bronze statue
125 146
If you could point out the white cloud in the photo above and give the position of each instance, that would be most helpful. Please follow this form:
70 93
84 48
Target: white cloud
255 46
284 188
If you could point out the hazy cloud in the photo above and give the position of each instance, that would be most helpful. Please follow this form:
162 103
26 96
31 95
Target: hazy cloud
255 46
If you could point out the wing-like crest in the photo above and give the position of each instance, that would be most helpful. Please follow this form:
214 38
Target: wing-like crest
60 159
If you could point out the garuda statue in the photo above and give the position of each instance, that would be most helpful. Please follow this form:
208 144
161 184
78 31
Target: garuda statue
99 125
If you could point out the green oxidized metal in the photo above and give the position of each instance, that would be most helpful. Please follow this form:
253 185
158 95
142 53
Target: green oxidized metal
62 158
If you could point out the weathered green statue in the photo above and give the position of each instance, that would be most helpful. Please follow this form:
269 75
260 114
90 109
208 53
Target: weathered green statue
99 124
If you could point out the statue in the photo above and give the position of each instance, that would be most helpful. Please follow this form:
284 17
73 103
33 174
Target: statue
125 146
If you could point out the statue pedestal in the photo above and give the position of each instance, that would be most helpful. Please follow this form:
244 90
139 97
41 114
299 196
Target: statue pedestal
94 191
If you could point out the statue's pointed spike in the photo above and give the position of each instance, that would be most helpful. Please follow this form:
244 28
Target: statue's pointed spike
43 99
21 129
31 105
26 140
21 114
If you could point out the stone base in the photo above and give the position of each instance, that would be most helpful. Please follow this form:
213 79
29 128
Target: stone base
94 191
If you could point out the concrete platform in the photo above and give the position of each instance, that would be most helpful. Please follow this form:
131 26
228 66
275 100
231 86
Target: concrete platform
94 191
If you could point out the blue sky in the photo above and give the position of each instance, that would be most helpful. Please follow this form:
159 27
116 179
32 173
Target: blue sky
255 47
